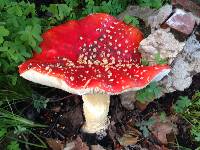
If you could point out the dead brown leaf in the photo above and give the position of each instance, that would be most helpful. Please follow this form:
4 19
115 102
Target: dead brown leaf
55 144
152 146
130 137
97 147
141 106
162 128
77 144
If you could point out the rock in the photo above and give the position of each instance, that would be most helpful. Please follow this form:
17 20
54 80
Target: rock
137 11
181 75
192 54
188 5
197 32
181 21
184 58
162 42
157 19
184 67
128 99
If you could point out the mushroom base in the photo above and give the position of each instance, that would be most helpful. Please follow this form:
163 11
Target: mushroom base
95 108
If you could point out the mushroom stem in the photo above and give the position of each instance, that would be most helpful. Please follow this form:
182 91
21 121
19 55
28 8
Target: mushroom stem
95 108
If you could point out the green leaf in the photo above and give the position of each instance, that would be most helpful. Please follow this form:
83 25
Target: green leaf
13 145
15 9
156 3
1 40
150 3
144 125
144 62
196 133
131 20
3 132
29 9
163 116
145 131
31 35
148 94
159 60
3 31
64 11
13 80
20 129
36 31
182 104
39 102
4 49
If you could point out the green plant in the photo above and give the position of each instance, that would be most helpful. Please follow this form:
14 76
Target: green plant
20 30
112 7
144 62
159 60
149 93
13 125
131 20
144 126
76 9
151 3
39 102
59 12
182 104
13 145
9 92
189 109
163 116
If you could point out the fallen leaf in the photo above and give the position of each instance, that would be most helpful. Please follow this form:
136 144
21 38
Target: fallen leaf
141 106
152 146
130 137
77 144
56 109
161 128
97 147
55 144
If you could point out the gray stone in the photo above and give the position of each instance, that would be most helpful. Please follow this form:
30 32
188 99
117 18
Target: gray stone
163 42
184 58
192 53
181 75
139 12
184 67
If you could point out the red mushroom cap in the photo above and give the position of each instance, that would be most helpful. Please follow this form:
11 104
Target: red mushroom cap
95 54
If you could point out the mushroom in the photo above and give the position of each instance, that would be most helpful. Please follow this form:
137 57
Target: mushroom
95 57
